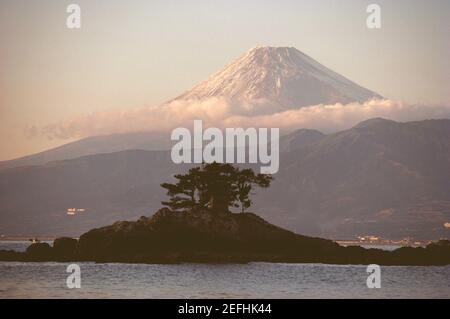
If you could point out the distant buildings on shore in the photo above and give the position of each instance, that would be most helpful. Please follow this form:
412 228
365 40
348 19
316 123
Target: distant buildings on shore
377 240
75 211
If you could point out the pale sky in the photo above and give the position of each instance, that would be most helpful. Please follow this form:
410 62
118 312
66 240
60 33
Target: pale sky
136 53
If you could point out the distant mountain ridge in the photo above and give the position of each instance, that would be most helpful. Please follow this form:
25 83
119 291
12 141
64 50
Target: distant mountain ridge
95 145
380 177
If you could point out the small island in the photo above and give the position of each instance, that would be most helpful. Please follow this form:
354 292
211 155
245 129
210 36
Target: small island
197 226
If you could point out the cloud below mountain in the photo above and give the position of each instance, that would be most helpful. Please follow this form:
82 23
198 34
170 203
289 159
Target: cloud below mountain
221 113
335 117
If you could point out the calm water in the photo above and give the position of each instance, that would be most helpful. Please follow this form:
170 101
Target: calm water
254 280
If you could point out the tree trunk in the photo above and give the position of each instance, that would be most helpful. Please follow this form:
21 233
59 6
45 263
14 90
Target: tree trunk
218 204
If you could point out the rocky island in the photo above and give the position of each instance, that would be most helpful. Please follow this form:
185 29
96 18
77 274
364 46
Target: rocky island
204 236
198 226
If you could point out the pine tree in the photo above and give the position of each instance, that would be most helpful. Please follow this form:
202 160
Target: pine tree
215 186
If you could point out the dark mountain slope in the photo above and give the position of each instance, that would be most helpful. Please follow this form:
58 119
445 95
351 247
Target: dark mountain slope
380 177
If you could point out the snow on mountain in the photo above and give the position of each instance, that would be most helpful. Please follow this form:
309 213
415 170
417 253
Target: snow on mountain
283 77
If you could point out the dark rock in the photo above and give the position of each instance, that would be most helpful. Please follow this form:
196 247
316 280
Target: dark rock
11 255
39 252
65 247
206 236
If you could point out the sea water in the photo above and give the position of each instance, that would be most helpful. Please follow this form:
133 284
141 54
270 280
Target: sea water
253 280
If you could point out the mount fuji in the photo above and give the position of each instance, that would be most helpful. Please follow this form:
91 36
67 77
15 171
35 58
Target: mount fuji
263 80
280 77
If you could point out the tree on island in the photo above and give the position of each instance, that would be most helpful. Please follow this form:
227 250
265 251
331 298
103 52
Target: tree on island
215 186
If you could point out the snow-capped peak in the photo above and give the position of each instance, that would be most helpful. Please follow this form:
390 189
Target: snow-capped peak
282 76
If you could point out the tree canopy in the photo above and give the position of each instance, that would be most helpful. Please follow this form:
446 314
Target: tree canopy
216 186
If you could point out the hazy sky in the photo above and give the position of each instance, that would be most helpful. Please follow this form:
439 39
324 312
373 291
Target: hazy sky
137 53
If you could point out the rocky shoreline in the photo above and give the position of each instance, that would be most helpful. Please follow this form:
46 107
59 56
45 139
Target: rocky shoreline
204 236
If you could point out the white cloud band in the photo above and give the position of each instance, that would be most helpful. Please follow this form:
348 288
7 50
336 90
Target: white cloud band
222 113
